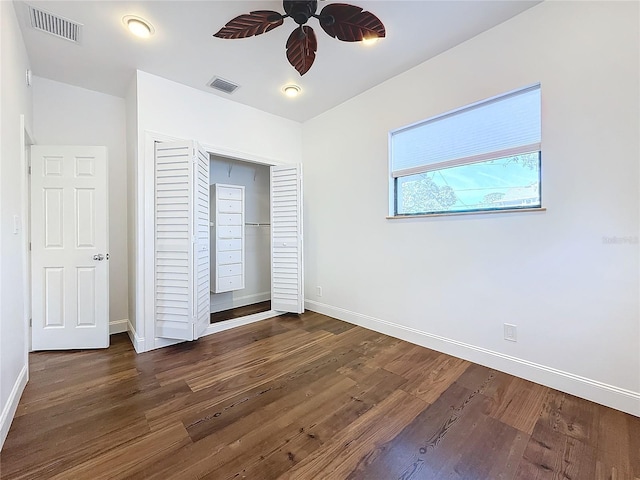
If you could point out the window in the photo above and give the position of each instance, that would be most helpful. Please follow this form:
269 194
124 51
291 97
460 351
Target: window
482 157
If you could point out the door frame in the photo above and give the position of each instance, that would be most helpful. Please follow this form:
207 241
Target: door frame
26 140
144 338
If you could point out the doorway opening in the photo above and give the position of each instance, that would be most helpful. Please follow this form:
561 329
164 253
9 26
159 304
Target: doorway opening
246 254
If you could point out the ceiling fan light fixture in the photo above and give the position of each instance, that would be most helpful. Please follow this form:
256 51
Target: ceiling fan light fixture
291 90
341 21
138 26
369 41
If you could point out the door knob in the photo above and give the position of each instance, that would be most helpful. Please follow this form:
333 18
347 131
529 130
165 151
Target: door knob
98 257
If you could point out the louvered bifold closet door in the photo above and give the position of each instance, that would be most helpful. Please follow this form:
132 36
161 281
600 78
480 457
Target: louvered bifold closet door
287 287
174 200
202 243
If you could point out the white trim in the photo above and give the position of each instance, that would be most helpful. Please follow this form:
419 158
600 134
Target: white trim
137 341
238 322
26 140
483 157
470 212
11 406
238 155
615 397
118 326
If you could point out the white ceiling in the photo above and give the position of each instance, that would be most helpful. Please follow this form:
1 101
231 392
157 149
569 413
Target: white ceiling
184 50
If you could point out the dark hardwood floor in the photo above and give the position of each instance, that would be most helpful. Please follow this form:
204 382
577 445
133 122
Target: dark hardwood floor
303 397
240 311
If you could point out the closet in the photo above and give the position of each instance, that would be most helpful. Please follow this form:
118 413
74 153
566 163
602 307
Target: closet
240 238
217 220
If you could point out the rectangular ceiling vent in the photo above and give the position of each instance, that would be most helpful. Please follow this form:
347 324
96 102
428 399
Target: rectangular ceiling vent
55 25
223 85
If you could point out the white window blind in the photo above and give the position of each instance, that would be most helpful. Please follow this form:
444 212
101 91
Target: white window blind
499 127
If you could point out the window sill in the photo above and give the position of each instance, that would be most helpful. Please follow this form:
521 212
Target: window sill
482 212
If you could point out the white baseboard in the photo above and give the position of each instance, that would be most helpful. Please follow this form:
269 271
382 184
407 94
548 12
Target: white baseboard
599 392
137 341
118 326
235 302
9 410
238 322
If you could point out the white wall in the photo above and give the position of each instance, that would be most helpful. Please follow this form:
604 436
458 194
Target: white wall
68 115
168 109
15 100
451 282
255 179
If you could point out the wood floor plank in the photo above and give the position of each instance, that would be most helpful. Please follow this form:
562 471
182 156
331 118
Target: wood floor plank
301 435
207 421
517 402
431 445
617 454
307 398
571 416
233 362
553 455
66 448
240 311
36 400
130 457
349 449
371 390
233 443
430 380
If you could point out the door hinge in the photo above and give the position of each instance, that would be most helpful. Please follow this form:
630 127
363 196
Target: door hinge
31 322
29 246
29 169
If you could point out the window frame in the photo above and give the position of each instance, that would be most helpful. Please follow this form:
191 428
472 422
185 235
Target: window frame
468 160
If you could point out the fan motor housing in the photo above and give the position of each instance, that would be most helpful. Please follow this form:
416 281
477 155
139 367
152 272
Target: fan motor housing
300 11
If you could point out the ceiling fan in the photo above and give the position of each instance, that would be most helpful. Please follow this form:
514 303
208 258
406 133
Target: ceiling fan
339 20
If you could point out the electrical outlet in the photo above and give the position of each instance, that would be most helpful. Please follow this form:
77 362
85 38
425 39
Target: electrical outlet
510 332
319 291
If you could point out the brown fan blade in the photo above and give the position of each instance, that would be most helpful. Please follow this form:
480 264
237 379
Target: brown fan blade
248 25
301 48
350 23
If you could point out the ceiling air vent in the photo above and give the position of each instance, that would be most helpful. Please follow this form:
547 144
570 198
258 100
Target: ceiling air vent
223 85
55 25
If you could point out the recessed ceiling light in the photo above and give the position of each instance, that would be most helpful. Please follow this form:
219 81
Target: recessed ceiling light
138 26
291 90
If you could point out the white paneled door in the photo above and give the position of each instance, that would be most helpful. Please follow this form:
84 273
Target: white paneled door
287 279
69 247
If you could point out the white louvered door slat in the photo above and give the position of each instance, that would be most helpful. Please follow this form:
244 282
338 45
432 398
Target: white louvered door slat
202 244
181 256
173 240
287 287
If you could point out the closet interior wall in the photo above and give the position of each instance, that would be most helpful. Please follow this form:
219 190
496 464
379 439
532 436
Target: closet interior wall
255 178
